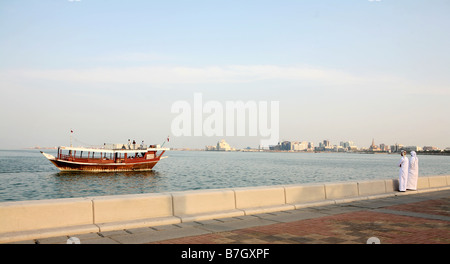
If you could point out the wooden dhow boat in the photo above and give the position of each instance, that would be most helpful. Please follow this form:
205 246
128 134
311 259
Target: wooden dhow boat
112 157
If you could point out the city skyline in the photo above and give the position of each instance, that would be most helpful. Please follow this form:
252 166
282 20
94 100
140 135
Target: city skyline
311 144
327 145
111 70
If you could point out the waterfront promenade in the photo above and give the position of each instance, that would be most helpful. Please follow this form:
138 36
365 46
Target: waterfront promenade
403 218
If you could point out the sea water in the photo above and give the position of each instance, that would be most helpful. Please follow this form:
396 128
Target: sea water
28 175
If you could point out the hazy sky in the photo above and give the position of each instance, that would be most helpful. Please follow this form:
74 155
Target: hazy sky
111 70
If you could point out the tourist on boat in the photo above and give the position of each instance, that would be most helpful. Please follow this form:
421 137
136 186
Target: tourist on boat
134 144
403 175
413 172
129 144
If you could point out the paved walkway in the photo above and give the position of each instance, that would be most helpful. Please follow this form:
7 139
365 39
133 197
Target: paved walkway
418 218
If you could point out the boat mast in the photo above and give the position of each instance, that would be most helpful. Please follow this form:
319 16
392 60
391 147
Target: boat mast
71 132
167 140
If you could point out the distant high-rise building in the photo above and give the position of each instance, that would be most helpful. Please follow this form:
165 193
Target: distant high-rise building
412 148
286 145
348 145
429 148
396 147
384 147
300 146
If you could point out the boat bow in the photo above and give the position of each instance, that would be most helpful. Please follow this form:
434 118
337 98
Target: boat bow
48 156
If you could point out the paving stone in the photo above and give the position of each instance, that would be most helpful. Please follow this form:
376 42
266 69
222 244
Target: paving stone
81 237
139 230
136 238
99 240
113 233
53 240
411 222
24 242
165 227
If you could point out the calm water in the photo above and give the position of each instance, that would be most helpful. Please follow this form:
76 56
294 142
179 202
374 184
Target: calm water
27 175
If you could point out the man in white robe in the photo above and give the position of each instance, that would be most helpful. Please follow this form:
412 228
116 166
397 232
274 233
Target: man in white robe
413 172
403 176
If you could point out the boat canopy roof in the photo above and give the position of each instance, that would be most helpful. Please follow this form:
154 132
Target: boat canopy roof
106 150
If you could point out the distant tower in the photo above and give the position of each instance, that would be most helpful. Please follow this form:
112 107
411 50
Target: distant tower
373 147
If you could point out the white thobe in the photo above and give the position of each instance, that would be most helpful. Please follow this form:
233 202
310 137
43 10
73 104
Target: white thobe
413 173
403 176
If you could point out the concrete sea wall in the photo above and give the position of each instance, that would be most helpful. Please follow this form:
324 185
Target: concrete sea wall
24 220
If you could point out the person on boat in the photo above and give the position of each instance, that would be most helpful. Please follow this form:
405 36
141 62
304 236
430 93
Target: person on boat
403 173
129 144
413 172
134 144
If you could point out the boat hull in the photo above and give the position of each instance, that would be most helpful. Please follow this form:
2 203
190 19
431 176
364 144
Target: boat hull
108 167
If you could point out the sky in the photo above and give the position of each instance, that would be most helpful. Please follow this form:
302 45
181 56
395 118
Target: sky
351 70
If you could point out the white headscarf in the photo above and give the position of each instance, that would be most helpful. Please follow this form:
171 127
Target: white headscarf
413 158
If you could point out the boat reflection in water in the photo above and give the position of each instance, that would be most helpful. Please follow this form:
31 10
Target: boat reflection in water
84 183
